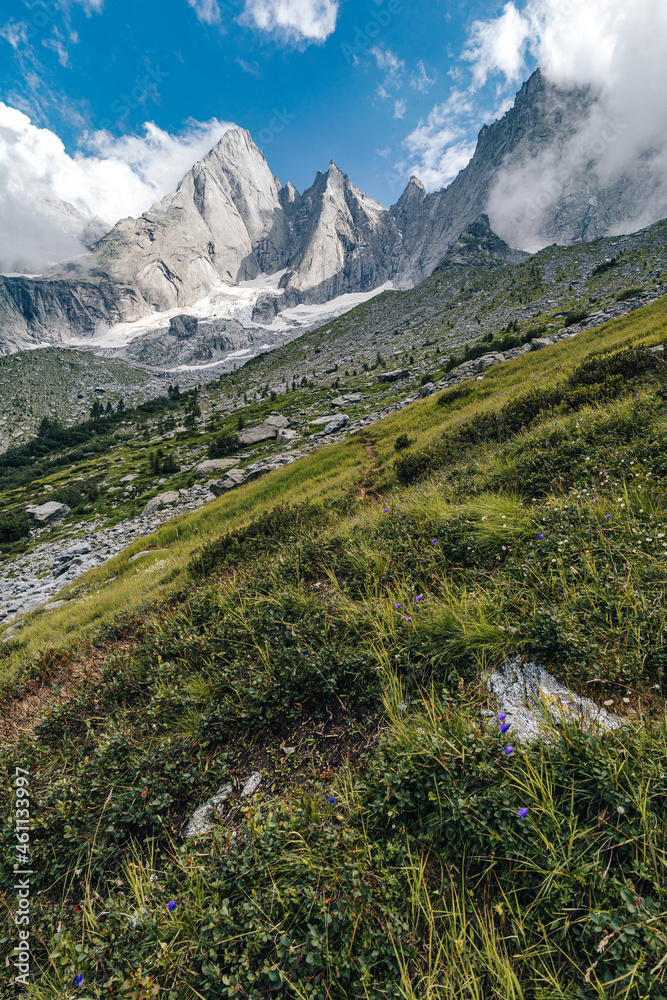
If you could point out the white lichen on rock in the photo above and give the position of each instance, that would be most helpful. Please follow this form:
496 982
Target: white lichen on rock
534 702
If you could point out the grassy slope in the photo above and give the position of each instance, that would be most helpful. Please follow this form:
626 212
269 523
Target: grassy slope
385 856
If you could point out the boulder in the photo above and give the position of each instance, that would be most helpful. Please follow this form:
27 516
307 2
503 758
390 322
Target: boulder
487 361
205 470
233 478
255 435
277 420
534 702
539 342
347 400
395 376
426 390
337 424
167 499
286 435
51 511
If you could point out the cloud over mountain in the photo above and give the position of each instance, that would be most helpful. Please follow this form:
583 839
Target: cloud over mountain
117 177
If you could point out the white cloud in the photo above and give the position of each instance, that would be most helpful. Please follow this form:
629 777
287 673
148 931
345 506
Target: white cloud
499 45
438 148
421 80
394 70
297 20
112 179
611 46
207 11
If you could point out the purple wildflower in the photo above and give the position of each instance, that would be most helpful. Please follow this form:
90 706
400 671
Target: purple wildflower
505 726
397 606
408 619
540 536
386 510
434 541
78 979
607 516
171 905
501 717
331 799
508 750
522 813
419 597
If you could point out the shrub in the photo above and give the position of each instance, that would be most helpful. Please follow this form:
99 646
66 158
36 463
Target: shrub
577 316
13 527
629 293
224 444
402 441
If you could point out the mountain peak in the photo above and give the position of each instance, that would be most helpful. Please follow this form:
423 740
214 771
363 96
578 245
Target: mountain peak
478 246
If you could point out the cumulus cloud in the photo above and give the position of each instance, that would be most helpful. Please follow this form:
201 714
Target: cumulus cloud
616 51
297 20
46 195
207 11
437 148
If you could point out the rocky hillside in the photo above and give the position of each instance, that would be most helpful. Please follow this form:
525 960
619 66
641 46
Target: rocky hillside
384 720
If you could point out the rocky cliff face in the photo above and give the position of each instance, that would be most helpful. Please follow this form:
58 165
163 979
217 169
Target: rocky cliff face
342 240
225 224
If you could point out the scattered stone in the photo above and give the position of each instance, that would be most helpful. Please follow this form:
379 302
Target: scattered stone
348 400
539 342
200 823
426 390
251 785
534 701
286 435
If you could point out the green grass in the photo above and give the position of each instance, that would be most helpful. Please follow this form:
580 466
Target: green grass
331 629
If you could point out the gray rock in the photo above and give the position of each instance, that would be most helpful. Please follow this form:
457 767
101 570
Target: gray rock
201 820
286 435
534 702
426 390
257 473
539 342
207 469
255 435
337 424
251 785
348 400
167 499
487 361
277 420
395 376
51 511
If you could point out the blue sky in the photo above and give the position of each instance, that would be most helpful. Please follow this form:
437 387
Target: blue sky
378 85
